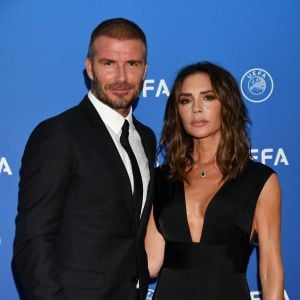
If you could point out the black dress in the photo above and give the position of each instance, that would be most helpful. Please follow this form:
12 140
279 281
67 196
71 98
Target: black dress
214 268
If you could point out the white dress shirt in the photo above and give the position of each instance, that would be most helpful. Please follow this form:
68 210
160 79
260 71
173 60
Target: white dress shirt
114 122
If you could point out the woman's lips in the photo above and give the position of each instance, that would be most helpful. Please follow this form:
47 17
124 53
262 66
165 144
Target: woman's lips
199 123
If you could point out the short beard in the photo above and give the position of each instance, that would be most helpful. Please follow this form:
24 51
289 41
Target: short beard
99 91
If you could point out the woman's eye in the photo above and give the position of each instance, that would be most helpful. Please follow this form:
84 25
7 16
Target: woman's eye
210 97
184 101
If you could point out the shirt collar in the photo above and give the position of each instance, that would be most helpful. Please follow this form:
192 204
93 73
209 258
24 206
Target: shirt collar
110 117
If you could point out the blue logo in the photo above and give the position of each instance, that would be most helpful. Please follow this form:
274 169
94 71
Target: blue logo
4 166
150 294
257 85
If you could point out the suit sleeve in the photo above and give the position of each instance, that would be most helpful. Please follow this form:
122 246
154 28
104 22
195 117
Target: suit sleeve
44 178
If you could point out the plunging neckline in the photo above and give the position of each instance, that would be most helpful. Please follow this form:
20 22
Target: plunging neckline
211 201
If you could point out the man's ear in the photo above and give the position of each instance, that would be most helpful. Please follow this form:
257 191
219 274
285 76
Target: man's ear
89 68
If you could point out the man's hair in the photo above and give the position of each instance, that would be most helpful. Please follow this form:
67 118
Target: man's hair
117 28
233 151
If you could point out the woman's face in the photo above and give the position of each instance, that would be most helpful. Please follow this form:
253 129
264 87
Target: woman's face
199 108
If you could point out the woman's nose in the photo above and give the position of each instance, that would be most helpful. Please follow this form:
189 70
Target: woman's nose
197 109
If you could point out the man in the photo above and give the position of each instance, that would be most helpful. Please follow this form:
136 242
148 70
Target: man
84 197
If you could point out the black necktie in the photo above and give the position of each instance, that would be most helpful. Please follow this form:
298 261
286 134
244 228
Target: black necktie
137 178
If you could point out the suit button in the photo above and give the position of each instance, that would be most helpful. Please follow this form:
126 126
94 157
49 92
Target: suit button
134 279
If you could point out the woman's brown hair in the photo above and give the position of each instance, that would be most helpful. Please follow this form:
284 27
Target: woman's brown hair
233 151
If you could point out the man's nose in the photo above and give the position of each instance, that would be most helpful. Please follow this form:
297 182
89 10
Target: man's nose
121 74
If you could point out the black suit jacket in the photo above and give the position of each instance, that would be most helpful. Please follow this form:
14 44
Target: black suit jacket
76 234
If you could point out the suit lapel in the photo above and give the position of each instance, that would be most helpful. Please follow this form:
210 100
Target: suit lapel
147 147
104 143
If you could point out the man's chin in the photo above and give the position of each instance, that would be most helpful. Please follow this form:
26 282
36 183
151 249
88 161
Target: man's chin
118 103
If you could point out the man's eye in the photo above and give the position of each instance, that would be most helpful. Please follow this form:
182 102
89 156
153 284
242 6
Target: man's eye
107 63
133 64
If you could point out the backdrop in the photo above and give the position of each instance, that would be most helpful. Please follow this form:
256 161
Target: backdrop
42 50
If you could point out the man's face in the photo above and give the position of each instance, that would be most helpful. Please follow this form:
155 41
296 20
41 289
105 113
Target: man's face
117 71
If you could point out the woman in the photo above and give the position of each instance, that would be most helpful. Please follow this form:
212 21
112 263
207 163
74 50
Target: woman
211 199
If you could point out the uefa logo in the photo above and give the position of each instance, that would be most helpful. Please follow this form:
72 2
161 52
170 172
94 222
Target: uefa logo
257 85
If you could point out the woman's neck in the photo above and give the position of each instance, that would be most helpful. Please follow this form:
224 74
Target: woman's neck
205 151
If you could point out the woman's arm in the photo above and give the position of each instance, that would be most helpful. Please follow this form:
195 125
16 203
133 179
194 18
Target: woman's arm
267 221
155 247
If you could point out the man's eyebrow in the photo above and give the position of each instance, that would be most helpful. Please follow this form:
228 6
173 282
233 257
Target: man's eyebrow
105 59
135 61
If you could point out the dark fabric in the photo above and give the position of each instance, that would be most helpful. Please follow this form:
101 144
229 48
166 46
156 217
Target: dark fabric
137 178
137 294
214 268
76 233
210 258
193 284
